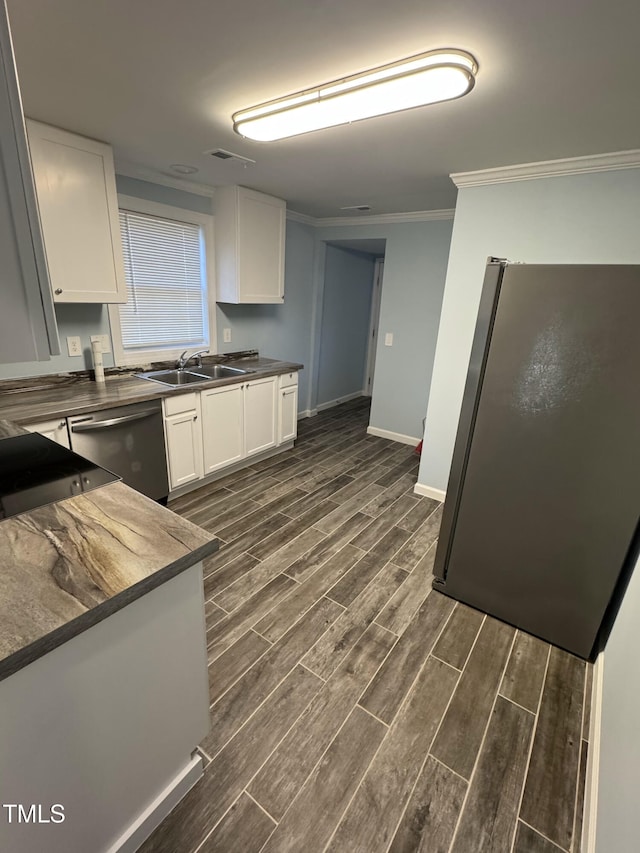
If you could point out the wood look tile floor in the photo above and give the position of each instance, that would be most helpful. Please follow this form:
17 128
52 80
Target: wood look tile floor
353 709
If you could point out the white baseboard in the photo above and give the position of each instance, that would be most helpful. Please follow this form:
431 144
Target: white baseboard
393 436
331 403
429 492
307 413
593 762
156 811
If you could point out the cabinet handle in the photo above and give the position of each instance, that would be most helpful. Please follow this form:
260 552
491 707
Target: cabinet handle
58 291
62 424
195 417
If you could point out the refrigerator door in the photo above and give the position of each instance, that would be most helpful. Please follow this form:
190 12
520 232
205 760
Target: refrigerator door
547 496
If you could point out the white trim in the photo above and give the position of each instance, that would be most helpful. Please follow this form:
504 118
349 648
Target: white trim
393 436
593 761
429 492
374 322
549 168
331 403
302 218
307 413
375 219
206 222
151 176
158 809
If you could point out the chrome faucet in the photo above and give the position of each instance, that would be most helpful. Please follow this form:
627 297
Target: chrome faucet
183 362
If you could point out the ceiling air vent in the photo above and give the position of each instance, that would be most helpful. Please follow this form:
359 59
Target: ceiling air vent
361 208
221 154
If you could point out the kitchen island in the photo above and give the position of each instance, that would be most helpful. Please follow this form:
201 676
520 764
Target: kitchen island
103 680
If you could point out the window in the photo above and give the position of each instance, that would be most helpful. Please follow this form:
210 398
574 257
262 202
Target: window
170 306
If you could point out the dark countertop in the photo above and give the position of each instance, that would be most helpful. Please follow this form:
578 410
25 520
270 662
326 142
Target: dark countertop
66 566
70 395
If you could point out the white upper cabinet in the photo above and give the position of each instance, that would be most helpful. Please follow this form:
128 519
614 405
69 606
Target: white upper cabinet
27 319
250 233
76 189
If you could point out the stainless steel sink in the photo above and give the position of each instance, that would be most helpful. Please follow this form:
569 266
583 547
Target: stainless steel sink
219 371
175 378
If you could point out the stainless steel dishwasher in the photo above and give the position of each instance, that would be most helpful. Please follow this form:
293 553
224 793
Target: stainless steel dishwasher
128 440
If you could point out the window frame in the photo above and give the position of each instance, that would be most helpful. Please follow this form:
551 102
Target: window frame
123 358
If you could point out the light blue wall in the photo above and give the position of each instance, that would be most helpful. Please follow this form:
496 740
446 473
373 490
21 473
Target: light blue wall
592 219
414 274
346 312
82 320
280 331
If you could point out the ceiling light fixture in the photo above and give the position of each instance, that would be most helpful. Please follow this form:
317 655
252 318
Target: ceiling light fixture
439 75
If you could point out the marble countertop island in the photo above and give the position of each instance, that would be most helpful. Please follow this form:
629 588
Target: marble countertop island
69 565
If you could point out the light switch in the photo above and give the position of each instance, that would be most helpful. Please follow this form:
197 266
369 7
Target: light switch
105 342
74 345
226 335
388 339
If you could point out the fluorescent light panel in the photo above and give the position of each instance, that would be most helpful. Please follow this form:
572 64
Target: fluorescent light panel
439 75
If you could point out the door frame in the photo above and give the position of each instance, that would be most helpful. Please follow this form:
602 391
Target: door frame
374 321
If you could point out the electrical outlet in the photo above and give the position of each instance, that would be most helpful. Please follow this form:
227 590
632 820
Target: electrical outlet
388 339
227 336
74 345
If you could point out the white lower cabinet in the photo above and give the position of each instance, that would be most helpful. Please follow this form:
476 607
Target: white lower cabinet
183 438
222 426
287 413
260 422
208 431
55 430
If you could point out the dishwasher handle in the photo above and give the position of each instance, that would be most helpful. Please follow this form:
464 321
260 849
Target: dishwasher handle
91 425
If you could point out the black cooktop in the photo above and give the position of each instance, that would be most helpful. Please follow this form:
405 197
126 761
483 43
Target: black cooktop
35 471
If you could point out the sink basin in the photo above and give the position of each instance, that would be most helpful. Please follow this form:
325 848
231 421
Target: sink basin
219 371
175 378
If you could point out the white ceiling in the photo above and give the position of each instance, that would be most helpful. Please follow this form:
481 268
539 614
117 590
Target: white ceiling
159 79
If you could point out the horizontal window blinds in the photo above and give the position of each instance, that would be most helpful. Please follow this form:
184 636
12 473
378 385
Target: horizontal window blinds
164 266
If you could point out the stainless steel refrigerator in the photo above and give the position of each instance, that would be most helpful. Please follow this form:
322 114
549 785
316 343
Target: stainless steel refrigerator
540 520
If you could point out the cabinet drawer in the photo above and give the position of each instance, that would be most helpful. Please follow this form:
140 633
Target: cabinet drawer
289 379
179 403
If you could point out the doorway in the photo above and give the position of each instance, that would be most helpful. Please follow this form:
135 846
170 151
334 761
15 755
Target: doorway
349 324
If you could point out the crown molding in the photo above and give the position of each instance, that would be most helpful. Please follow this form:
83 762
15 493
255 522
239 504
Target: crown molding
376 219
549 169
294 216
144 173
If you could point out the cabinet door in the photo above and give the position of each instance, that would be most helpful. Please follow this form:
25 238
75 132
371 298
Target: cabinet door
261 233
288 414
76 189
27 320
55 430
222 426
183 438
260 415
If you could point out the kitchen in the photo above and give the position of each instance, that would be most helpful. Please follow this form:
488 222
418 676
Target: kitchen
565 211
